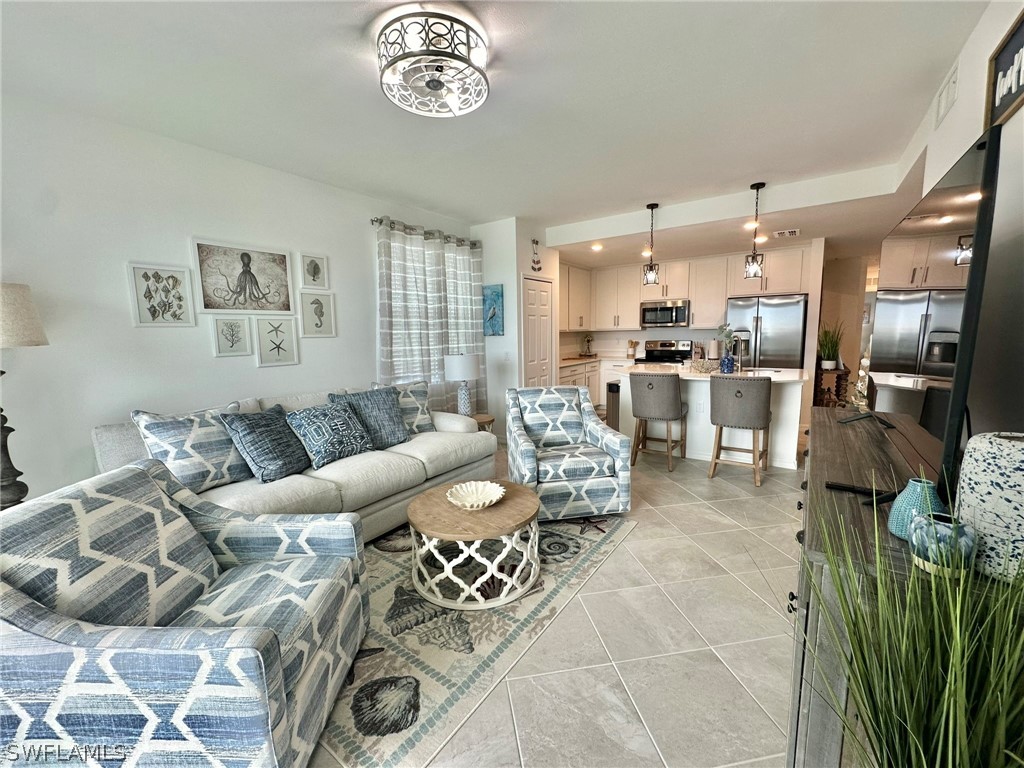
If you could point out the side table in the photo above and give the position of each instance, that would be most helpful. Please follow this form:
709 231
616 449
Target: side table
484 421
474 559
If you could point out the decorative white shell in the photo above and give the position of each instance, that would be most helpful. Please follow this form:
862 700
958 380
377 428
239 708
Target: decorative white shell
475 494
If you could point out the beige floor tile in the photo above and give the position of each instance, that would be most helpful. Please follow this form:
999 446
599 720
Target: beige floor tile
649 525
782 537
765 667
723 610
640 622
773 586
697 518
569 642
677 559
741 551
752 512
488 737
620 570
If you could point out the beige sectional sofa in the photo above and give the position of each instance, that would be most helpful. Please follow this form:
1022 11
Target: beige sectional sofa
377 485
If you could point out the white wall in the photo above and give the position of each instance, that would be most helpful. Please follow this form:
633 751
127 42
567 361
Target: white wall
81 198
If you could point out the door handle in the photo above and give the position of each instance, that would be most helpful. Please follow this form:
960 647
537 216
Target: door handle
924 280
913 276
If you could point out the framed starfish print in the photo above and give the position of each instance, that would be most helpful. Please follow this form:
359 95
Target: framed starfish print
276 342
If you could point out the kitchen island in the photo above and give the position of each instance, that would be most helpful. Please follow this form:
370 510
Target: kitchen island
787 389
904 392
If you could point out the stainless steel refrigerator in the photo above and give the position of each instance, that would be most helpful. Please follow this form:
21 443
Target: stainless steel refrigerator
916 332
769 330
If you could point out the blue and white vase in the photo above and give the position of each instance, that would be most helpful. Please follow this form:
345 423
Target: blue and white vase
727 364
918 498
941 544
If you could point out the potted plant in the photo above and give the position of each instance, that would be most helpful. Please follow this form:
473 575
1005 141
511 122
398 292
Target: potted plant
830 336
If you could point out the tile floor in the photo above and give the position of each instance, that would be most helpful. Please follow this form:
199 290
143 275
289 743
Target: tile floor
676 652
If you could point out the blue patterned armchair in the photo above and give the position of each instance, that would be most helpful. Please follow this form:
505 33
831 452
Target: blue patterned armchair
137 619
558 446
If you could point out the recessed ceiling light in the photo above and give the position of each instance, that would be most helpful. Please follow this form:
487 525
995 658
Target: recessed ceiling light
973 197
596 247
760 239
646 252
750 225
946 220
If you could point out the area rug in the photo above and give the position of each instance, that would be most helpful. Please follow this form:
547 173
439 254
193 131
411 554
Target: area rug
422 669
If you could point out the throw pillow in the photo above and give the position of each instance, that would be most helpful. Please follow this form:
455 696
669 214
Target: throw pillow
329 432
412 402
267 443
380 413
195 447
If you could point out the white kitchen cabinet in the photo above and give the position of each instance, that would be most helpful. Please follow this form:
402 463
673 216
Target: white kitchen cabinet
921 262
610 370
783 272
709 294
573 375
563 297
579 300
594 382
617 299
673 282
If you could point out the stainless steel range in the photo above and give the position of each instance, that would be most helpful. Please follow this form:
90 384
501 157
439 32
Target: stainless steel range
667 351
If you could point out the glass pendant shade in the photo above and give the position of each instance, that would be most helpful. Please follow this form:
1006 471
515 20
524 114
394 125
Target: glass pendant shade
964 251
433 64
650 268
753 268
650 274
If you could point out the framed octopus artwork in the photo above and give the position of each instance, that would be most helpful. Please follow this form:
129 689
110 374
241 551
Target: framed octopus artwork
237 278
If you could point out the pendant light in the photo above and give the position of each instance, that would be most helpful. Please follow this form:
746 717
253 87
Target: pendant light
650 268
964 250
753 268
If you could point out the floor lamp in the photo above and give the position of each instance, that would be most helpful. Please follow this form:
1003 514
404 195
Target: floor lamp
19 327
464 368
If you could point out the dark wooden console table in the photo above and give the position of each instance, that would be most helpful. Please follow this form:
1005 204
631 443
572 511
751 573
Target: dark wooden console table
866 454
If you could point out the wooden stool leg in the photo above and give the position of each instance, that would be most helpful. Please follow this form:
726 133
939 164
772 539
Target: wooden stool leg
716 452
682 440
756 456
636 443
767 430
668 443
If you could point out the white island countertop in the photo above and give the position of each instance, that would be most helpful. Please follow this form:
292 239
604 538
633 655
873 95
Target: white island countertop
909 381
777 375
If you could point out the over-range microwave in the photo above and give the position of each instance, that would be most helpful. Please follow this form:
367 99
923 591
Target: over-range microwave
665 314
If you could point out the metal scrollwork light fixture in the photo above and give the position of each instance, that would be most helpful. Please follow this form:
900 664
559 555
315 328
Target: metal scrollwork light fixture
433 64
964 250
753 268
650 268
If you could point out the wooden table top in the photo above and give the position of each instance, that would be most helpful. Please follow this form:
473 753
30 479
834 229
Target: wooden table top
483 419
433 515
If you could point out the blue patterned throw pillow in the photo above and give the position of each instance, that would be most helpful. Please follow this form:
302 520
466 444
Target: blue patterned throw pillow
195 447
329 432
380 413
267 443
412 402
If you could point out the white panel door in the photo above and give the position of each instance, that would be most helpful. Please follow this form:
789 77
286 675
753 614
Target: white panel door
536 333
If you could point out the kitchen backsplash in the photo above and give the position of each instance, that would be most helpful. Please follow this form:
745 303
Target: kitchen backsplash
613 343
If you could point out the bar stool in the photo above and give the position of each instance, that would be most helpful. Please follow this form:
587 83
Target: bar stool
741 403
658 397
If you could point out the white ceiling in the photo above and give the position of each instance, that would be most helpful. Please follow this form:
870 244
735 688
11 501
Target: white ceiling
595 108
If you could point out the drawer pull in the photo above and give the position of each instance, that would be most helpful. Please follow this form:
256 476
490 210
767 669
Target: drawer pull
800 536
803 486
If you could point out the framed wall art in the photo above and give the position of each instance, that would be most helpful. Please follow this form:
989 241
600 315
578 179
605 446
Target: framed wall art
231 336
276 342
237 278
161 296
316 311
314 272
494 310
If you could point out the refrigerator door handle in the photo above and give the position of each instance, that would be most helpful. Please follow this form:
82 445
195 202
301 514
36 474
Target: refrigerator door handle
922 340
755 349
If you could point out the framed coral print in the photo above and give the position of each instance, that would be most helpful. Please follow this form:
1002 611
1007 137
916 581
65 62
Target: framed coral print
314 272
231 336
276 341
239 278
161 296
316 311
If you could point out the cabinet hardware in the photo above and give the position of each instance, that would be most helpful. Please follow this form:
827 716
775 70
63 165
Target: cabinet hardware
800 536
791 607
803 486
913 276
799 505
924 280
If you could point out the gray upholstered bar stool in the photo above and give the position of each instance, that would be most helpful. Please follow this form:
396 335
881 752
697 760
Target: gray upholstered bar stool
657 397
741 403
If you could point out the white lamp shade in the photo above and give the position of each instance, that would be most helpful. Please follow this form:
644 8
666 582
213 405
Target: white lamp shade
461 367
20 325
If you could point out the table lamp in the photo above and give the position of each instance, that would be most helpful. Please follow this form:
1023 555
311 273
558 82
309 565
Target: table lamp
19 327
462 368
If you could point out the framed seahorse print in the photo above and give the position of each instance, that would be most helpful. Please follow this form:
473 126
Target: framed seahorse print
316 310
238 278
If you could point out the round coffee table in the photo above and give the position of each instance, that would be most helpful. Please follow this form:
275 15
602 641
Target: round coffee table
474 559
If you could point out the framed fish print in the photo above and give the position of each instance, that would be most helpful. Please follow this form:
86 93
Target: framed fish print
316 311
239 278
161 296
231 336
276 342
314 272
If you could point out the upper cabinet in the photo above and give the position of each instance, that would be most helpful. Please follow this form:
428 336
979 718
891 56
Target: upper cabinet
783 273
574 299
616 295
708 293
673 282
563 297
920 262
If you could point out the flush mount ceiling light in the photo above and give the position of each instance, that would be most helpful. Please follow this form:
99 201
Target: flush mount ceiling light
964 250
596 247
972 197
650 268
753 267
433 64
946 220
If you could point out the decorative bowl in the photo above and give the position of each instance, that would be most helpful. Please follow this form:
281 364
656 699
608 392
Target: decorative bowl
475 494
704 366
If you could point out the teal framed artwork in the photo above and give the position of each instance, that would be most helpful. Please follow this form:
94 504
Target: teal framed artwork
494 310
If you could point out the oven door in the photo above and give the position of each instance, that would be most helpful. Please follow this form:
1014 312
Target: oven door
657 315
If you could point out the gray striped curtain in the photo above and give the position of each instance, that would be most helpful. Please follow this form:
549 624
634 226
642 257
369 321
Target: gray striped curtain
431 305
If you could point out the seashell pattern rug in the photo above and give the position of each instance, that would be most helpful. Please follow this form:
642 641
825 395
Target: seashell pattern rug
423 669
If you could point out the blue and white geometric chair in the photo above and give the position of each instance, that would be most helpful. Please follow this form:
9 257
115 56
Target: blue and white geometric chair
557 445
138 619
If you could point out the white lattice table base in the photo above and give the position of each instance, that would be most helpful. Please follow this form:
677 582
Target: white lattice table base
510 563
